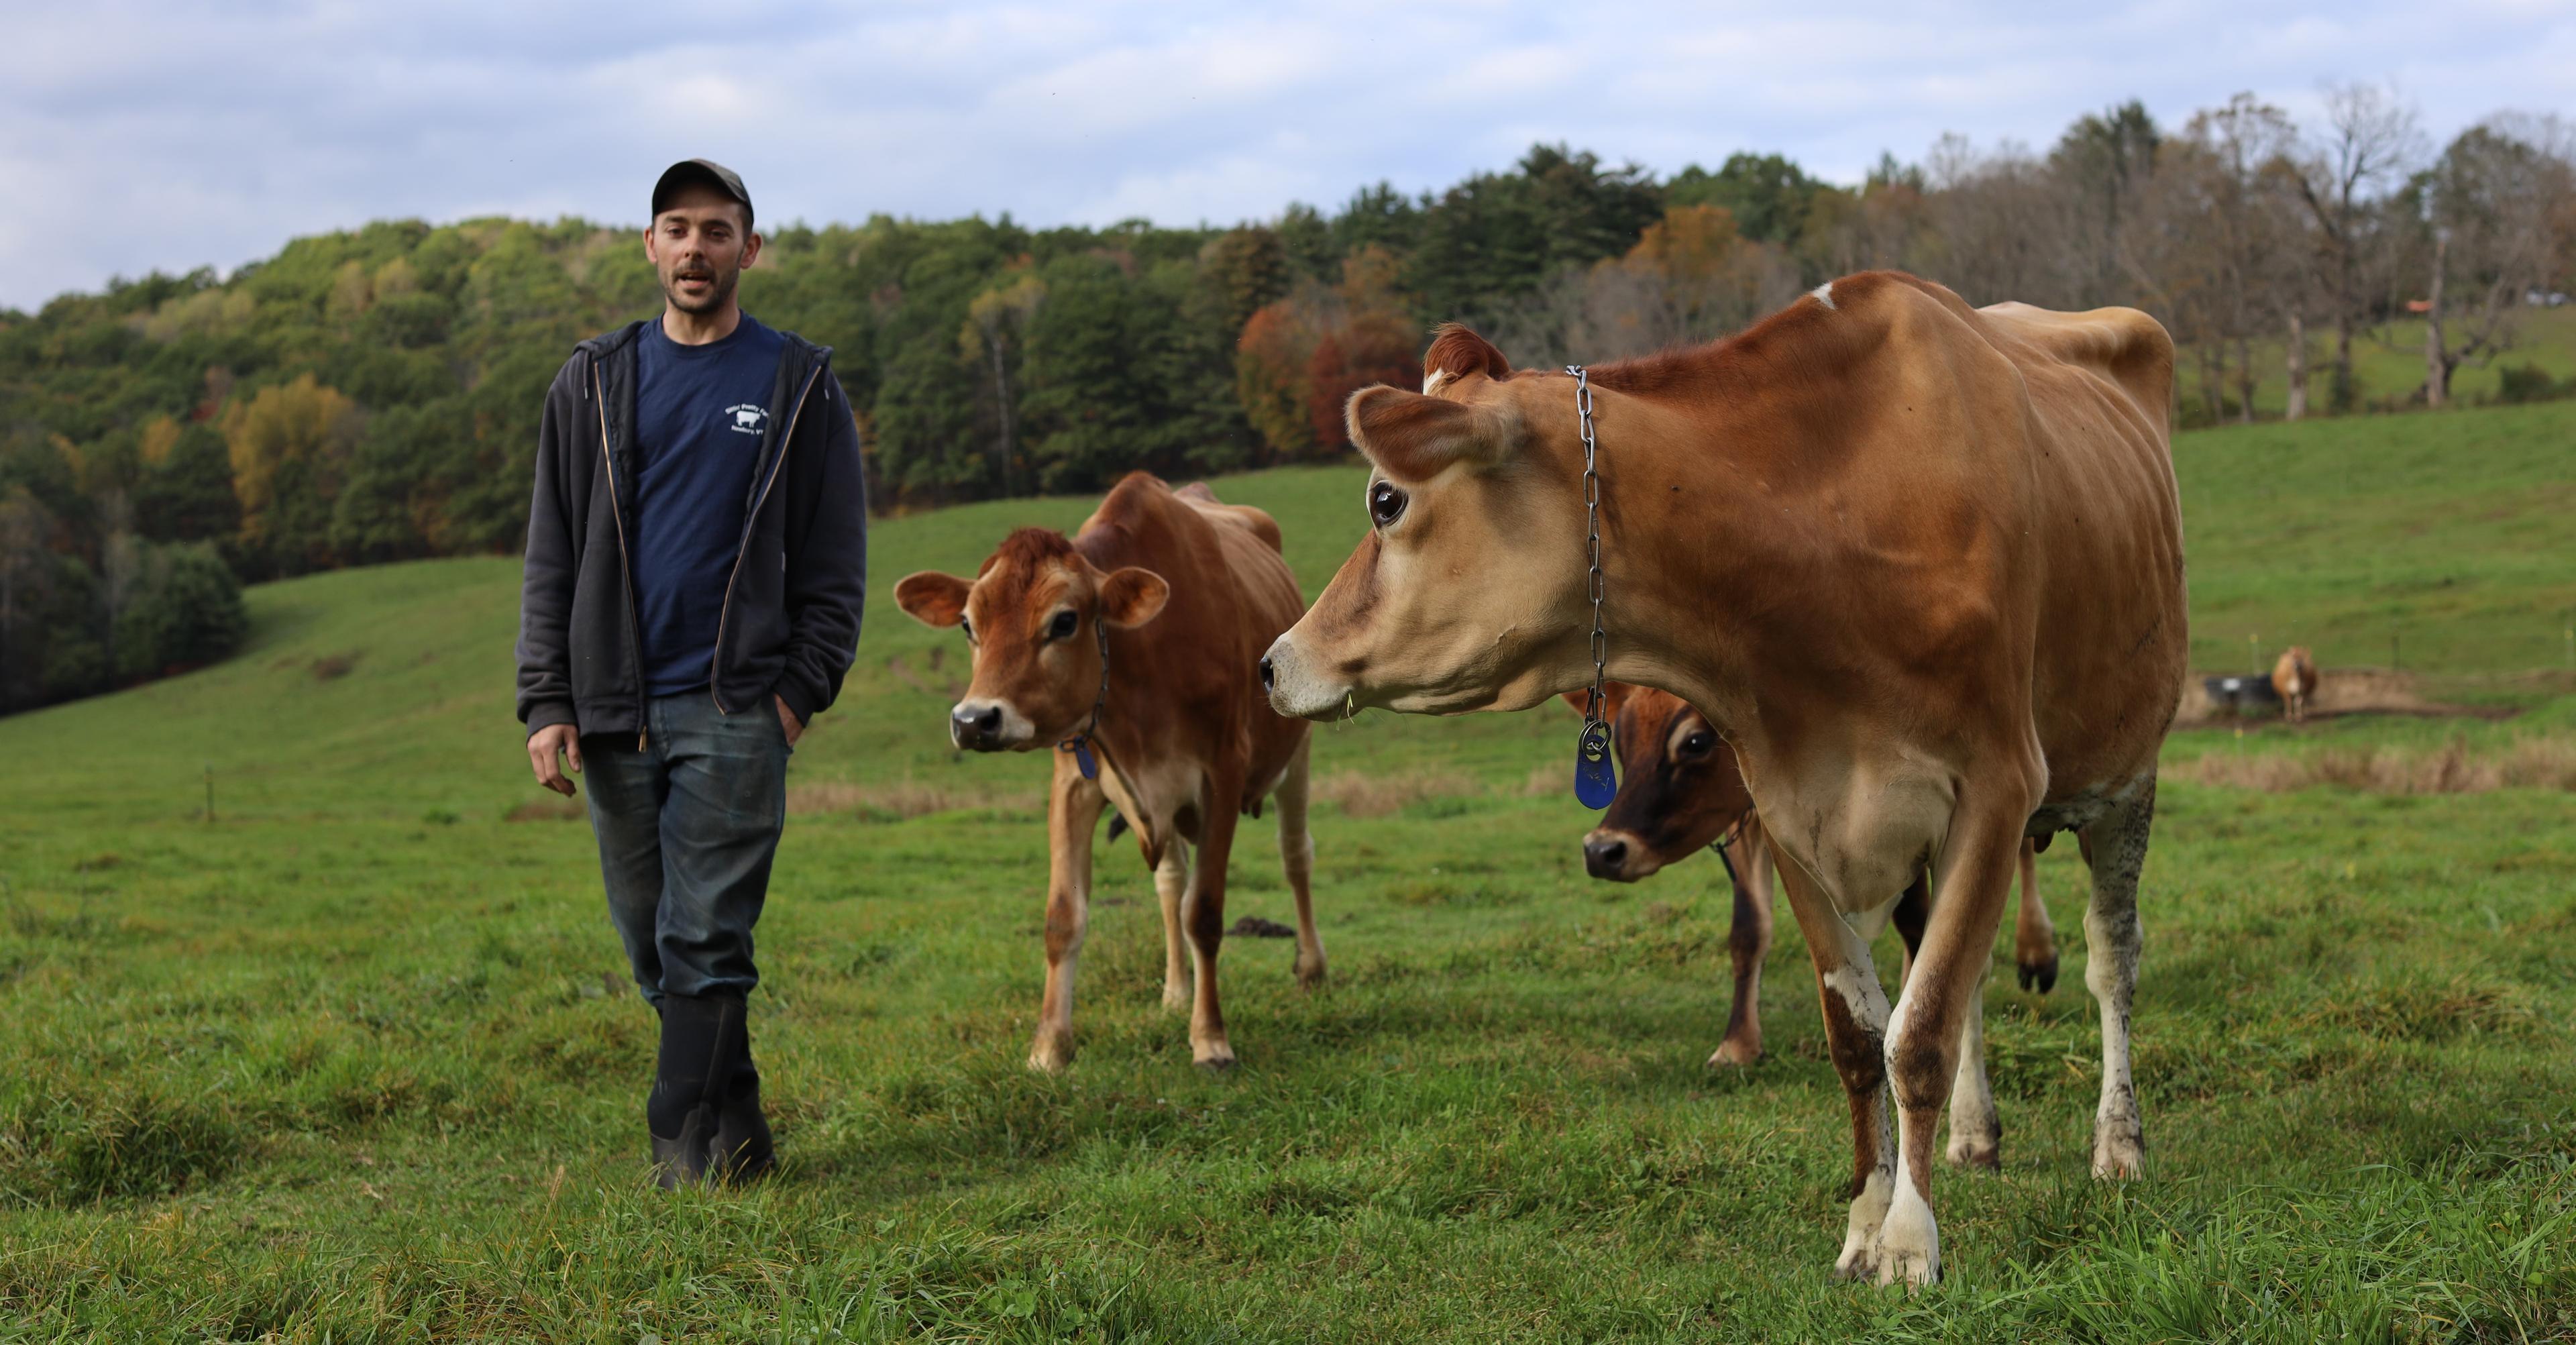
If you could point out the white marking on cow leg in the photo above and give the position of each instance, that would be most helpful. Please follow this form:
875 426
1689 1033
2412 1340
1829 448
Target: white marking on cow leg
1976 1136
1073 811
1824 294
1856 1034
1859 1258
1171 887
1909 1241
2112 943
1297 860
1432 384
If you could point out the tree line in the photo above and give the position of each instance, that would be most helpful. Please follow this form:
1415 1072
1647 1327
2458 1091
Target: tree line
372 395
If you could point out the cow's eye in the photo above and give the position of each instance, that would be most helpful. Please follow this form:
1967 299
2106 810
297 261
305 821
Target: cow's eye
968 627
1062 627
1386 503
1698 743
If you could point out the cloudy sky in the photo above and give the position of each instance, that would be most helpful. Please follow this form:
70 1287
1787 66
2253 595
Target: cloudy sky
168 135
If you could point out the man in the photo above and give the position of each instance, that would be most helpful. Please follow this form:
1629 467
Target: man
697 558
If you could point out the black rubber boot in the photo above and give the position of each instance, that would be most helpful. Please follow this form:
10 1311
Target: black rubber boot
743 1152
703 1043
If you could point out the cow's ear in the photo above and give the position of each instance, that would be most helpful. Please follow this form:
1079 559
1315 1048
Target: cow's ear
1131 597
1457 352
932 598
1411 437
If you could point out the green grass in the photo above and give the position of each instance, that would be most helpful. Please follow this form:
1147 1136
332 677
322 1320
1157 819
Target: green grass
356 1061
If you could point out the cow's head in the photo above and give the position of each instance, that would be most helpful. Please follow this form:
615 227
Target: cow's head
1679 787
1030 616
1470 591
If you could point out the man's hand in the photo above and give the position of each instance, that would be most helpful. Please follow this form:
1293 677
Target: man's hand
542 747
786 720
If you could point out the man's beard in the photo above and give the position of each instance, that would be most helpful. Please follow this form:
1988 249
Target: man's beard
717 296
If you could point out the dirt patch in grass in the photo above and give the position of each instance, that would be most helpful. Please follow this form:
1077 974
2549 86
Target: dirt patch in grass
2454 768
2340 691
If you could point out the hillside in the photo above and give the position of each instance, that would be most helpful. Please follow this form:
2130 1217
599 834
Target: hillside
360 1060
387 690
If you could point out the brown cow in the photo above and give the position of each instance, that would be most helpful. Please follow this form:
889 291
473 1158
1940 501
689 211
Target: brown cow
1921 565
1179 594
2295 677
1680 793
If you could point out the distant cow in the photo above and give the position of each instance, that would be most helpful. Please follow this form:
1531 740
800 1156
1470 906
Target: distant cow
1130 649
1680 792
2295 678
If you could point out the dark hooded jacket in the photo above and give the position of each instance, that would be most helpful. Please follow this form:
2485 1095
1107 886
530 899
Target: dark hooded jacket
790 621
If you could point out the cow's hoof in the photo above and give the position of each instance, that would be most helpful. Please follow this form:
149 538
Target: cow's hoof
1220 1061
1976 1153
1310 972
1176 996
1909 1244
2040 976
1733 1054
1051 1055
2119 1152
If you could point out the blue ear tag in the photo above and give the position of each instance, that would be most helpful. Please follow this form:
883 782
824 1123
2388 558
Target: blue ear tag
1596 781
1082 757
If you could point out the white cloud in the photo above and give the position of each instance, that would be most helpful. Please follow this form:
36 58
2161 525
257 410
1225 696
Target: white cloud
165 136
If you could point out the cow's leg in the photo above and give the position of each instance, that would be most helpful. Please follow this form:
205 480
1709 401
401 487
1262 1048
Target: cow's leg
1073 811
1973 877
1855 1035
1171 888
1203 917
1297 860
2116 847
2034 938
1976 1132
1748 941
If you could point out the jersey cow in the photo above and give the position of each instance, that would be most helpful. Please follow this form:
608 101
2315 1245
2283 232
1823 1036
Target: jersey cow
1129 649
1919 563
2294 676
1680 793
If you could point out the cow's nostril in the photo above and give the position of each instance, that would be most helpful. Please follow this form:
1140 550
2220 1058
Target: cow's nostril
990 720
1269 675
1604 858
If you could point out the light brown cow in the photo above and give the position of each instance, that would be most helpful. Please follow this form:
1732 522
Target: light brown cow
1921 565
1680 793
1179 594
2295 678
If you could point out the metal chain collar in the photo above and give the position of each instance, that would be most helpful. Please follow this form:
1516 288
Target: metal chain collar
1079 742
1592 541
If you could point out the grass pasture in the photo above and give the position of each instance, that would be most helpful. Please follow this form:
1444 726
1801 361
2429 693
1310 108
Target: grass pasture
354 1060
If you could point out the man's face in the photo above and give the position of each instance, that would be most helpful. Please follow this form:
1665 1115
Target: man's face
699 246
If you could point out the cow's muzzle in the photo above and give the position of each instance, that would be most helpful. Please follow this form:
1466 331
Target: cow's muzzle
986 726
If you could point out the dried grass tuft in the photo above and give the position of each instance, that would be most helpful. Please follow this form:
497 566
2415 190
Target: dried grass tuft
1360 795
899 801
2454 768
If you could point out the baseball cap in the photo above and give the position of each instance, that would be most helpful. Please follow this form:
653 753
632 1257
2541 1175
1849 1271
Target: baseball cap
708 171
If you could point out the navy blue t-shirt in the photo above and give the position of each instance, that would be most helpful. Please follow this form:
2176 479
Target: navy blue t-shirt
701 414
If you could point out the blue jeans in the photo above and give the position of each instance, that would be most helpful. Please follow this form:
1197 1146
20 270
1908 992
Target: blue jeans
687 828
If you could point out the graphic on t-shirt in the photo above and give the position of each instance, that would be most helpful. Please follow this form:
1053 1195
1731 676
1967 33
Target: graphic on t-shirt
747 417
